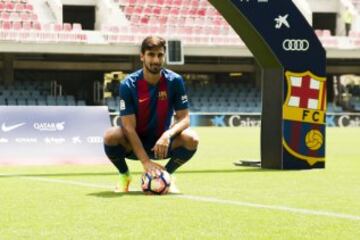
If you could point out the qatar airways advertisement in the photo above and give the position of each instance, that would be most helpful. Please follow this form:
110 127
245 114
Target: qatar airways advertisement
45 135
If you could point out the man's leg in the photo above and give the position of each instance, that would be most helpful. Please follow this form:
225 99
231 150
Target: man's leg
116 146
183 148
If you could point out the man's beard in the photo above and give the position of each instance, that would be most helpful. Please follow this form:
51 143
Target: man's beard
154 70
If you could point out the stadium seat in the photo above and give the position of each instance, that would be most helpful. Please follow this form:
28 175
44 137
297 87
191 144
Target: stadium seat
81 103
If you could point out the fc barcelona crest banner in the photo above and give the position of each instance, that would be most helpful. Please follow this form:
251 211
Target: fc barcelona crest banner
304 112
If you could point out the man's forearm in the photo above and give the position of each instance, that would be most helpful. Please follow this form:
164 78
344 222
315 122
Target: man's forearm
179 126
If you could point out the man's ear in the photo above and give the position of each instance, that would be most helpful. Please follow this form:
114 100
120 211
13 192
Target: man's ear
142 57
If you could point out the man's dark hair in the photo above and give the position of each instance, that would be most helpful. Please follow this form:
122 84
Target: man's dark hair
152 42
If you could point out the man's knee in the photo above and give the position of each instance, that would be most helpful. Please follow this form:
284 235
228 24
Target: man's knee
191 139
113 136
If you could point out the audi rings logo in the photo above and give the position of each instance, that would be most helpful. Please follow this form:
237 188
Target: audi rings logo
296 45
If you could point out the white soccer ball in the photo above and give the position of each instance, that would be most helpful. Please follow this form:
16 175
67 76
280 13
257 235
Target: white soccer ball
157 182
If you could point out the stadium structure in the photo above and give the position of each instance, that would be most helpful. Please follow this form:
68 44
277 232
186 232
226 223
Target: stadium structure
58 52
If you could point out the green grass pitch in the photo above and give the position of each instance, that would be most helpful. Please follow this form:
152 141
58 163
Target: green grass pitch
219 200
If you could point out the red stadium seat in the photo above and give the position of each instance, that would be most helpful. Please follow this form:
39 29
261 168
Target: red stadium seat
5 16
17 25
147 11
27 26
160 2
156 11
163 20
174 11
6 25
138 10
129 10
195 3
326 33
177 3
193 12
184 11
19 7
202 12
9 6
144 20
67 27
57 27
29 7
24 16
151 2
165 11
168 3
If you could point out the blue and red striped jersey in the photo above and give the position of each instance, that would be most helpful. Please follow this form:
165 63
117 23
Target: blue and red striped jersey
153 105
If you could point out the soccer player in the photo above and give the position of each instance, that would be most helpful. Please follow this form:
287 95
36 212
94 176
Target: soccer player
149 98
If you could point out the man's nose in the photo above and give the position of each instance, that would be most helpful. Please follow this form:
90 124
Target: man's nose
156 59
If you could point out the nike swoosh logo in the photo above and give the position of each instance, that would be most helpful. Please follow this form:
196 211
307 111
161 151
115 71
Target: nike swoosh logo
5 128
143 100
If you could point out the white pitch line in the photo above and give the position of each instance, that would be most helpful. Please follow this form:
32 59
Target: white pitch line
271 207
206 199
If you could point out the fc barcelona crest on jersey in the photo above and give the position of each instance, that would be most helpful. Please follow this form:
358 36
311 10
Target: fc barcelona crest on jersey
162 95
304 116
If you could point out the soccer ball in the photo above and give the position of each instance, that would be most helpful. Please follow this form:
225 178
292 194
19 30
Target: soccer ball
155 183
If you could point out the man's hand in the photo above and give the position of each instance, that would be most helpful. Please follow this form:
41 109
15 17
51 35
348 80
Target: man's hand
162 145
152 167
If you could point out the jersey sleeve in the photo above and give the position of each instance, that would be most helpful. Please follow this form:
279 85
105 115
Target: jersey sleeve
126 101
181 99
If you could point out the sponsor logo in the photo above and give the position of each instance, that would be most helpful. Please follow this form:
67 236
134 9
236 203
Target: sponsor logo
347 121
76 140
141 100
122 105
295 45
281 21
184 98
26 140
238 121
218 121
49 126
9 128
52 140
4 140
94 139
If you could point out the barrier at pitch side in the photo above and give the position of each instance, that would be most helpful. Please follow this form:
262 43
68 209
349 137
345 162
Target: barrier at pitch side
293 80
45 135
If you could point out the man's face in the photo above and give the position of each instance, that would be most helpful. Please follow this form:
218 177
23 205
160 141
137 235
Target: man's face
153 60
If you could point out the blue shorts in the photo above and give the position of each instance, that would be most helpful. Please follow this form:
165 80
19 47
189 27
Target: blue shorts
131 155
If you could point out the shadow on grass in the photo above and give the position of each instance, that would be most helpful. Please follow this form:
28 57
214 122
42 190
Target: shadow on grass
111 194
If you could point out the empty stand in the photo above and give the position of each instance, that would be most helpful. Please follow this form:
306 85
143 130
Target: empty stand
19 22
34 93
193 21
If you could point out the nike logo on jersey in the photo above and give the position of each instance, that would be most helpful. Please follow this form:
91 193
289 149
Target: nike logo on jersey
5 128
141 100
